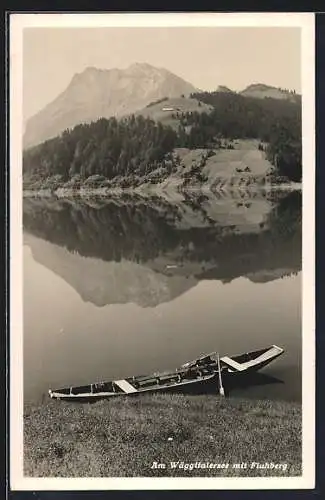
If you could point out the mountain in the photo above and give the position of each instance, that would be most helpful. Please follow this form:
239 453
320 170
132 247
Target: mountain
223 88
97 93
260 90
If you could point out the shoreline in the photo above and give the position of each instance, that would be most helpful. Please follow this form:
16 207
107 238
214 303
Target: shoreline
132 437
155 190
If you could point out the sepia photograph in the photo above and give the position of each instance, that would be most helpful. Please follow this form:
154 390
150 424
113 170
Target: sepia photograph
162 211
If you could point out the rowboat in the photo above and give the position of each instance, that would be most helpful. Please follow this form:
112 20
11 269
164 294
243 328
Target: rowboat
208 368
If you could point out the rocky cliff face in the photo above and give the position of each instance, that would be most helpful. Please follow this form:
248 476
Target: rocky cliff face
96 93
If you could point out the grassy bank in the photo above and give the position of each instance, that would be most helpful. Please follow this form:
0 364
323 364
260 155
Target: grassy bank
127 436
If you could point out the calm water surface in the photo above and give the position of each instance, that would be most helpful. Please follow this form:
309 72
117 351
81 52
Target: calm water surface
126 286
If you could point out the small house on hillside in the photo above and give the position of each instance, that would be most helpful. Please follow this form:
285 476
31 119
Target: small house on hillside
168 109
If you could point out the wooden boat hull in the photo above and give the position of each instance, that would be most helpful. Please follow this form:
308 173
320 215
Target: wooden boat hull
101 394
204 370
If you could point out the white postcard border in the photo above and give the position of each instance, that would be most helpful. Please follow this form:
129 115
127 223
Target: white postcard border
17 23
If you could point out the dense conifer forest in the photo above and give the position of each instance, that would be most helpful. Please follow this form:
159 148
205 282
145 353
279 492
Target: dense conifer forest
106 148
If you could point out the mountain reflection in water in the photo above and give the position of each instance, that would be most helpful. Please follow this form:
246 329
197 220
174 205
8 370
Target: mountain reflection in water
150 251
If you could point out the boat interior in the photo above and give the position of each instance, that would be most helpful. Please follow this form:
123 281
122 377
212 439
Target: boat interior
249 356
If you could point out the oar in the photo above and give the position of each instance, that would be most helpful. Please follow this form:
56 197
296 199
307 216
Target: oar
221 389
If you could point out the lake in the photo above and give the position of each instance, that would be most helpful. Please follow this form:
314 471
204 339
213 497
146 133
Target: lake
130 285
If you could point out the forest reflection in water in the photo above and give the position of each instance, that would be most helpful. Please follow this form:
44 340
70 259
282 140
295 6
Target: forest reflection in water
126 285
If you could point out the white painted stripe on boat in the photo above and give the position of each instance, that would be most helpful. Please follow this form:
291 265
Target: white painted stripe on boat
233 364
243 366
125 386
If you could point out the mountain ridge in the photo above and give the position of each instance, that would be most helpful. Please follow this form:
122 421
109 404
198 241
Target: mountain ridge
261 91
98 93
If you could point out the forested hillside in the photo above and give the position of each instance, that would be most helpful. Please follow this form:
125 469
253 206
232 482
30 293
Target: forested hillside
136 147
275 122
107 148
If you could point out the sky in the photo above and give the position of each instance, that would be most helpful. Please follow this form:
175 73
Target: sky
204 56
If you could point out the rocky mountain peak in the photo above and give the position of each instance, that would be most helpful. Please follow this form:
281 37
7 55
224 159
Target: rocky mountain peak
101 93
